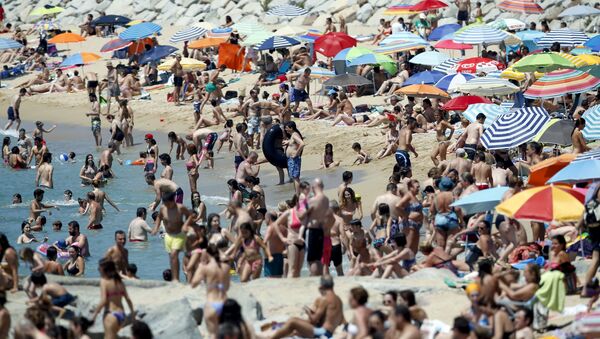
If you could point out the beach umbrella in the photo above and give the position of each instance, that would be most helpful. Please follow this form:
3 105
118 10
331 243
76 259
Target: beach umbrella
288 11
565 37
589 59
575 59
425 77
139 31
579 51
248 27
276 42
47 25
521 6
318 72
556 132
134 22
480 201
450 44
479 34
290 31
544 170
562 82
491 112
398 10
579 10
429 58
65 38
586 167
204 24
542 62
114 45
449 82
515 128
9 44
219 32
589 155
332 43
427 5
449 66
350 53
530 35
311 35
256 38
511 74
156 53
46 10
509 24
488 86
344 80
188 64
591 131
402 37
423 91
478 65
593 43
544 204
439 32
205 43
111 20
384 61
461 103
79 59
188 34
400 46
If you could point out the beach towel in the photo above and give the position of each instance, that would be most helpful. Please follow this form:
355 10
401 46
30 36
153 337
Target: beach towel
228 56
552 291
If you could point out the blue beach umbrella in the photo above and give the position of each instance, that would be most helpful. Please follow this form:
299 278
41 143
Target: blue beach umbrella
449 82
565 37
140 31
289 11
188 34
425 77
515 128
578 171
481 201
591 131
9 44
111 20
593 43
491 112
156 53
402 36
429 58
79 59
275 42
530 35
443 30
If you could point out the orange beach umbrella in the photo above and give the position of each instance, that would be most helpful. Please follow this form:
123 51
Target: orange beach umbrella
66 38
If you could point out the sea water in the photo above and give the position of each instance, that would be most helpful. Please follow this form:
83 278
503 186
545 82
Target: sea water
128 190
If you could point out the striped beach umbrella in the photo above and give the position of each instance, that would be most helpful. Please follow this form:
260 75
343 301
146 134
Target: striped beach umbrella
449 82
589 155
449 66
249 27
219 32
9 44
478 65
486 86
575 59
521 6
591 131
429 58
139 31
545 204
289 11
509 24
402 37
491 112
188 34
276 42
565 37
450 44
256 38
479 34
79 59
318 72
561 82
400 46
398 10
515 128
115 44
441 31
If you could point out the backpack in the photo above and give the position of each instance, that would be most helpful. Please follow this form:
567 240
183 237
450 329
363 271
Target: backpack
592 214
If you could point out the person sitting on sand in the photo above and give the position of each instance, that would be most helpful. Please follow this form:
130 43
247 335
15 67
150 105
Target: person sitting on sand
362 157
327 160
514 295
323 318
328 110
390 86
396 263
77 81
391 141
438 258
58 296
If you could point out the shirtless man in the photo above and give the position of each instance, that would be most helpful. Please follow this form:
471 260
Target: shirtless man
95 213
294 146
36 208
471 136
579 145
390 198
327 310
241 146
102 196
464 9
316 214
177 71
118 253
77 82
91 83
274 268
405 144
112 77
301 91
138 228
106 157
482 172
401 325
44 176
461 164
248 167
162 186
75 237
176 219
501 175
14 110
239 216
37 151
339 240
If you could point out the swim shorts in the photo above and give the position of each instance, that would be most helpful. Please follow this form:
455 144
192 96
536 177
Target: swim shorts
320 332
179 196
63 300
403 158
299 95
174 242
196 107
336 255
114 90
253 125
11 113
294 165
210 141
314 244
237 160
327 248
92 84
463 16
177 81
275 267
470 149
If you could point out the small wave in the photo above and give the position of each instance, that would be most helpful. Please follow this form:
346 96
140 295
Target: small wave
63 202
23 204
214 198
11 133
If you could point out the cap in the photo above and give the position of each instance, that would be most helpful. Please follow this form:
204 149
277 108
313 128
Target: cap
418 108
149 136
331 91
422 16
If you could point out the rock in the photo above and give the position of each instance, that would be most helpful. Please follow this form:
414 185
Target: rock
310 4
149 16
242 3
162 4
552 13
340 5
122 7
230 6
381 3
373 21
492 15
24 13
364 13
488 7
184 21
350 13
445 21
361 2
236 14
170 320
253 8
218 4
194 10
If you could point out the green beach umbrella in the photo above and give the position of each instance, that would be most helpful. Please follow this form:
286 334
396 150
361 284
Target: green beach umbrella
384 61
46 10
542 62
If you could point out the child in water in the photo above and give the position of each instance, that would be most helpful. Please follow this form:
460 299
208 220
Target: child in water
226 136
328 161
362 157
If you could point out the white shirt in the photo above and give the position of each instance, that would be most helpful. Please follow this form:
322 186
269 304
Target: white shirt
397 27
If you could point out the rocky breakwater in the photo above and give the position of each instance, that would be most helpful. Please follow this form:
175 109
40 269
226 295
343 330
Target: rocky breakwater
356 12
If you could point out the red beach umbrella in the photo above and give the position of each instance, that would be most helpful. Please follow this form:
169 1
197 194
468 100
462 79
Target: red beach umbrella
461 103
427 5
451 44
331 43
478 64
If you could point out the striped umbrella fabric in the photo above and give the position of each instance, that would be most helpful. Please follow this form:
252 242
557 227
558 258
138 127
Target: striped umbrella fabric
480 34
516 128
114 45
398 10
276 42
318 73
247 27
565 37
561 82
402 36
400 46
487 87
47 25
430 58
188 34
449 44
139 31
256 38
450 82
521 6
220 33
449 66
591 131
491 112
9 44
589 155
289 11
508 23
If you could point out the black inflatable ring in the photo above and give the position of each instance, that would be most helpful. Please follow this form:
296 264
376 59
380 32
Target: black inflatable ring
272 148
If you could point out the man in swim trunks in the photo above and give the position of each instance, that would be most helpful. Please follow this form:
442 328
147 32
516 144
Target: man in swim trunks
316 213
301 91
177 71
247 168
44 176
471 136
138 228
118 253
36 208
91 82
95 211
327 307
112 85
75 237
240 144
464 8
274 268
405 144
482 172
13 111
177 219
339 240
162 186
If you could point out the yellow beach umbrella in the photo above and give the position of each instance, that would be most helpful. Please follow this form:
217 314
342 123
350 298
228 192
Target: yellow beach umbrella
545 204
575 59
134 22
41 11
590 59
188 64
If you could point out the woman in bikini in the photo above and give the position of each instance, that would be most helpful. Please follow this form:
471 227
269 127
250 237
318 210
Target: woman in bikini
391 139
126 117
192 166
251 261
380 229
199 207
294 240
440 149
5 149
398 262
75 266
413 209
350 206
88 170
446 219
112 293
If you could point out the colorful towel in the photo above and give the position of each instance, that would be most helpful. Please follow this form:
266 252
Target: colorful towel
552 291
228 56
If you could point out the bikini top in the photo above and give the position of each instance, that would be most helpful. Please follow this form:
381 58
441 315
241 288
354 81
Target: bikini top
72 270
295 224
414 207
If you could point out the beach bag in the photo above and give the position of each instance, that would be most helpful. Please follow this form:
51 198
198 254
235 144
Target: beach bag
362 108
231 95
119 135
592 214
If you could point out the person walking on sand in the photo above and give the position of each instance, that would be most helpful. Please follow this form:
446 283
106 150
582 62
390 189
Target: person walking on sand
177 71
464 10
405 144
301 91
113 89
14 110
294 145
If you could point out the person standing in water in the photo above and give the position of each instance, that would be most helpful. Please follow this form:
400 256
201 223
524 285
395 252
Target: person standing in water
14 110
294 147
45 171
